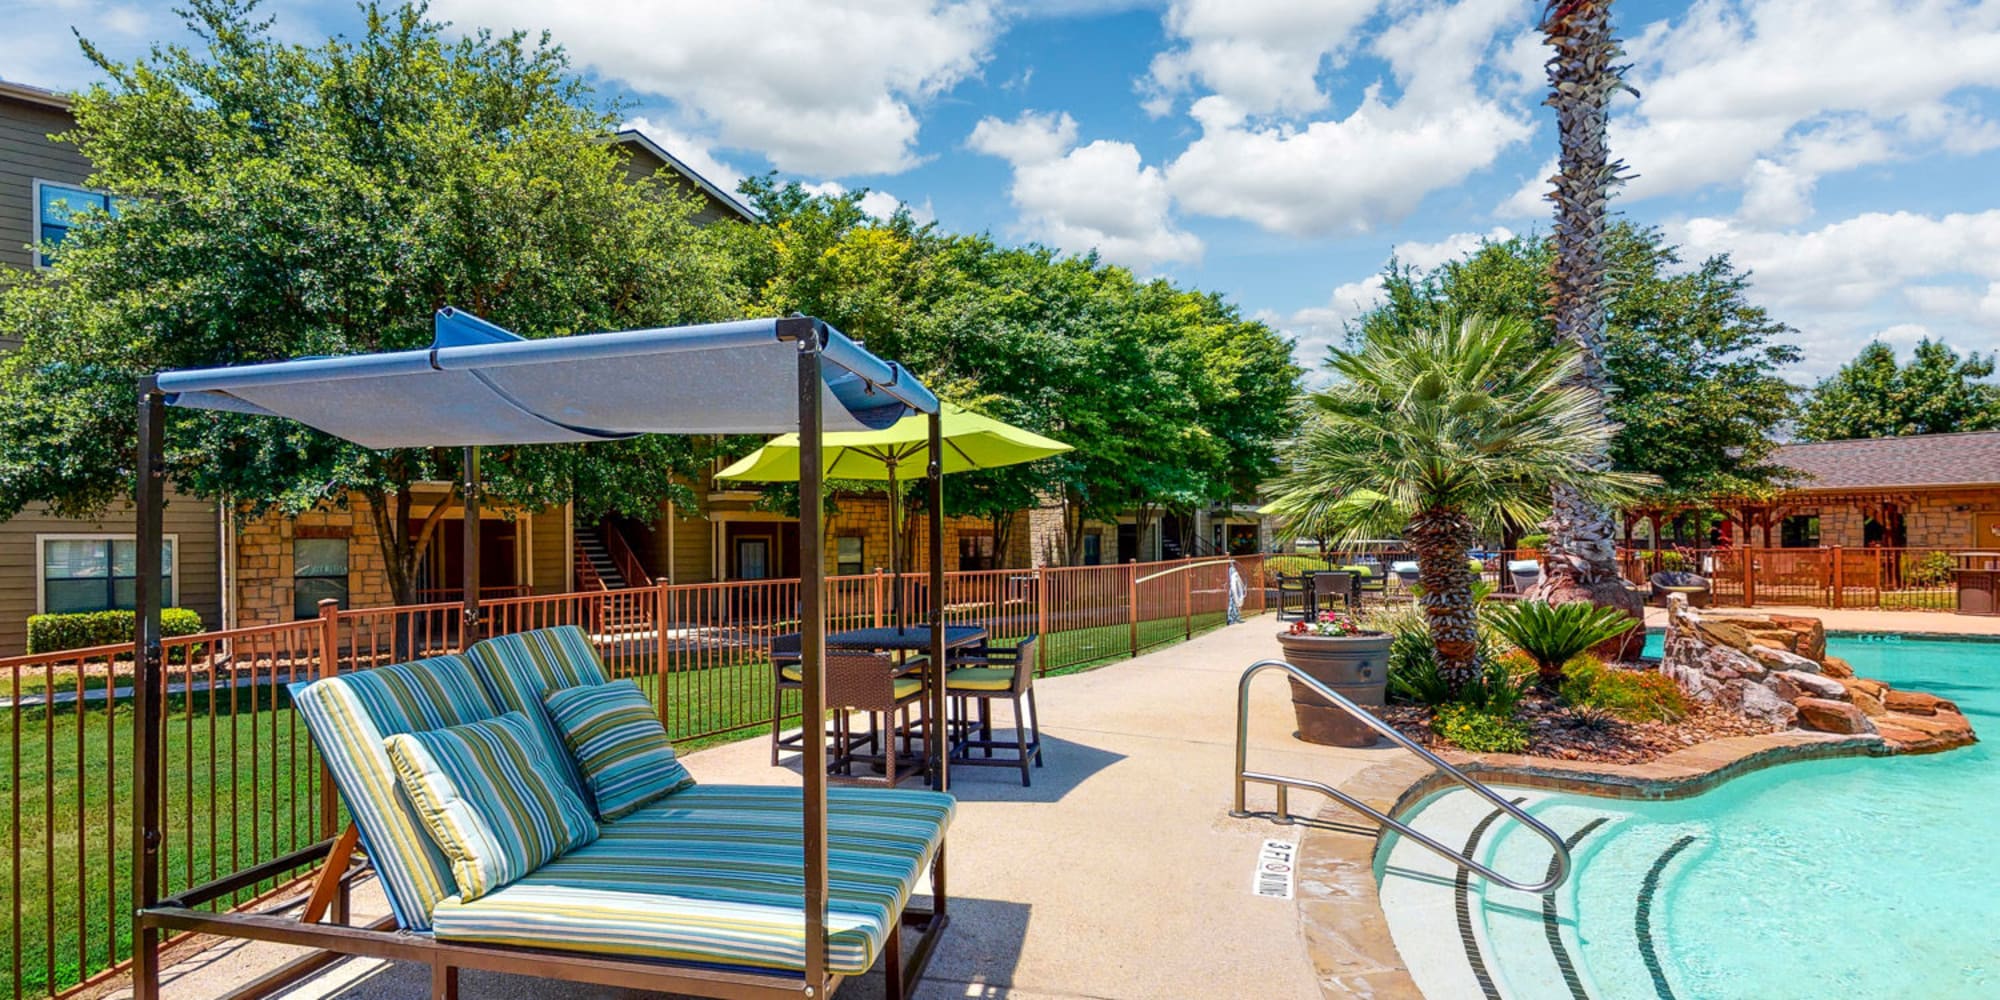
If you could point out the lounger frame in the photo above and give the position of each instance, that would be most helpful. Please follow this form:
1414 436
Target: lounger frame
154 916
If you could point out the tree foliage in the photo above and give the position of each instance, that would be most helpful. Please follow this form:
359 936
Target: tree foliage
1938 392
1170 397
1439 429
1693 364
285 200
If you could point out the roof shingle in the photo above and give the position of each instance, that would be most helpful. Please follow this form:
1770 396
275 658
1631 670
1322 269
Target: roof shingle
1967 459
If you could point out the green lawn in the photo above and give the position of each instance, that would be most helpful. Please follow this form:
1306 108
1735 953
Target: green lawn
243 785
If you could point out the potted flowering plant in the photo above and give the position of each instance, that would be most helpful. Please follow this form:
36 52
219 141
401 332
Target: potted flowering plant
1337 650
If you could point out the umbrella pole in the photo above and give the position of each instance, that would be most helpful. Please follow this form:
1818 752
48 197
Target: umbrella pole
895 553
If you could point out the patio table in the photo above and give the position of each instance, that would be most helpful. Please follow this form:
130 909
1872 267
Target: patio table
905 641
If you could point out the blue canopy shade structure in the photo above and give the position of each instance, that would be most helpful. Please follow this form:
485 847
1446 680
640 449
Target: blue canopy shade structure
478 384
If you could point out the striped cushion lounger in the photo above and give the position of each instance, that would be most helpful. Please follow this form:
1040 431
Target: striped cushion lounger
714 874
490 800
711 874
350 717
619 745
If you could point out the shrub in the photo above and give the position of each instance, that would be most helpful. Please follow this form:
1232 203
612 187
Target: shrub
1413 667
1480 731
1934 569
1554 634
1537 540
81 630
1632 695
1673 561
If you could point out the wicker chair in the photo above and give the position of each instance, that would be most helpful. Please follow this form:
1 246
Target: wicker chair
986 684
867 682
1330 586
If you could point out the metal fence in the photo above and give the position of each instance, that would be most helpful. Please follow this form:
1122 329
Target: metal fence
243 783
1891 579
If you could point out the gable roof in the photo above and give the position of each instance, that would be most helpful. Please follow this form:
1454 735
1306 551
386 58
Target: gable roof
634 137
1967 459
34 95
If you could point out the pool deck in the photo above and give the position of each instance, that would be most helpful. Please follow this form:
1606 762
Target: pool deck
1119 874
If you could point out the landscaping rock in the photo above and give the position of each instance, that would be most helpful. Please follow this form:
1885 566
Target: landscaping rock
1917 703
1773 670
1830 716
1778 659
1813 684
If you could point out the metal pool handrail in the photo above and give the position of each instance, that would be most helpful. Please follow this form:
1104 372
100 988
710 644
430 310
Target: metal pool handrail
1283 784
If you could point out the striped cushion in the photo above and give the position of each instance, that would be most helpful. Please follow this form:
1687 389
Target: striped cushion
619 745
487 795
980 679
349 718
713 874
519 669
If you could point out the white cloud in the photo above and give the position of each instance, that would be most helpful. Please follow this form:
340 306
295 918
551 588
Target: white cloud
1262 56
1338 177
880 204
1318 327
1100 196
1776 195
1846 282
1372 167
1808 87
823 87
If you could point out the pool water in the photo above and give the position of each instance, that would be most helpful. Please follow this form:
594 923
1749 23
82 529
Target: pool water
1852 877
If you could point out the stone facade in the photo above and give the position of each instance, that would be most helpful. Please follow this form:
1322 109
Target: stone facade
1774 668
1936 519
264 567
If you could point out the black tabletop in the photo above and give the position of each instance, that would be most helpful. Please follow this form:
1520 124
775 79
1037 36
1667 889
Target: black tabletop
916 638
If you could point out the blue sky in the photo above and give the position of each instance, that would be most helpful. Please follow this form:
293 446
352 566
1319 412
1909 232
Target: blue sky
1278 151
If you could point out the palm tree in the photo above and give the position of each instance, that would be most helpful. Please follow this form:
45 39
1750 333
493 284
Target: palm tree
1442 431
1583 77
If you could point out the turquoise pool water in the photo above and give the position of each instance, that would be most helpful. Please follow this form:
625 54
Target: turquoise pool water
1839 878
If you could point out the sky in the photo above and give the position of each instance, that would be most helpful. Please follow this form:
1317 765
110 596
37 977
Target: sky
1279 151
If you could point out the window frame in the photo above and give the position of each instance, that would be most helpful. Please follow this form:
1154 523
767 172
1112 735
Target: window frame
41 260
42 540
346 577
860 557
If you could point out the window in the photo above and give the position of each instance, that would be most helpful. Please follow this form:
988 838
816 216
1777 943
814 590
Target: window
98 573
1093 549
56 209
319 571
847 558
975 550
1800 531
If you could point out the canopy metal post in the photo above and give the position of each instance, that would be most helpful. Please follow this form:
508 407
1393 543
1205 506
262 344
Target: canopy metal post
148 749
940 729
469 489
812 655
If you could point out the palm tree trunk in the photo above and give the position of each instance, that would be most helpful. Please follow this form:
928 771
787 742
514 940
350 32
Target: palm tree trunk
1583 77
1442 541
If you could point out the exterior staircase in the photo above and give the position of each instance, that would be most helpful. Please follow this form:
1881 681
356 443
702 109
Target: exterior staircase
596 570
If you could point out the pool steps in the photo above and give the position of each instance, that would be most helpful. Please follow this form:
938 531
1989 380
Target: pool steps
1472 939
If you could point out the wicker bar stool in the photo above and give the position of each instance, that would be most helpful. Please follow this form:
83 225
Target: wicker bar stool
867 682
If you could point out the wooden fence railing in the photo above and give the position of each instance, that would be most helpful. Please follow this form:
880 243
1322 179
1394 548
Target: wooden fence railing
243 783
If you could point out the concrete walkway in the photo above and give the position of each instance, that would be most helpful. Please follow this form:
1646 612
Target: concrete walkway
1119 874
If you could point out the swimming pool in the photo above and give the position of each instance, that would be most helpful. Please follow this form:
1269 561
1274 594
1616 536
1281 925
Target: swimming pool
1849 877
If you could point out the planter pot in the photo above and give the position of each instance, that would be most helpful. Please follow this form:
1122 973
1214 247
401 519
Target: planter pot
1354 666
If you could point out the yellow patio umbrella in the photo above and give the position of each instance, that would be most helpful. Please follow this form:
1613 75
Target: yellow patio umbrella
971 442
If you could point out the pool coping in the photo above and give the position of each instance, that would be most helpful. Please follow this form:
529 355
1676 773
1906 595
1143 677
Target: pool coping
1347 933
